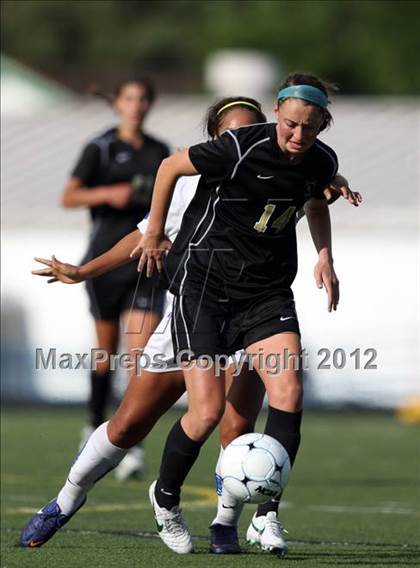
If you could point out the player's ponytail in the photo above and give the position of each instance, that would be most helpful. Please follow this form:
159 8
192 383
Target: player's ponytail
95 90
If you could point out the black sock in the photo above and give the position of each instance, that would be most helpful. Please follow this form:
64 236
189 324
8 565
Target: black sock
100 387
284 427
272 505
179 456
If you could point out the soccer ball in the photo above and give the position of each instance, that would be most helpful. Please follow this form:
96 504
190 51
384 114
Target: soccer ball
255 468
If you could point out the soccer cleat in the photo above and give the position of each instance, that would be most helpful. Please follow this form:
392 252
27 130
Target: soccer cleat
44 525
132 465
171 526
224 539
267 533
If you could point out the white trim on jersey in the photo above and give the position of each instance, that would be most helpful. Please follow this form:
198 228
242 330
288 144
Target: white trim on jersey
242 158
238 148
190 245
320 145
103 143
175 308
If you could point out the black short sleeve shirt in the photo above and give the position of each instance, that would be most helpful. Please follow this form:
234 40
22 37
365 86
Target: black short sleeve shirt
239 229
107 160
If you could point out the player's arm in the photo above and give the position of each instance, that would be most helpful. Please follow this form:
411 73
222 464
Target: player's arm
177 208
154 241
339 187
79 192
77 195
320 227
118 255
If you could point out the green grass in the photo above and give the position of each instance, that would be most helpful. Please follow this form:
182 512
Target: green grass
351 501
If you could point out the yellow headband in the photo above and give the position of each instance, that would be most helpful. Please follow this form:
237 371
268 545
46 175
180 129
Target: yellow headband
237 103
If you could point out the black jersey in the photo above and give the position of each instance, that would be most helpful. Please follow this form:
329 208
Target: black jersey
107 160
237 238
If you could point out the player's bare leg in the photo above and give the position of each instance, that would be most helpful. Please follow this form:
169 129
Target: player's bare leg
285 394
148 396
244 396
137 327
156 392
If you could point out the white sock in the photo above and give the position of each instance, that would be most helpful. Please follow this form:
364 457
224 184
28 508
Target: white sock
217 474
228 508
96 459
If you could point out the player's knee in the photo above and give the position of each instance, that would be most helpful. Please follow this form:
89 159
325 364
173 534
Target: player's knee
122 432
294 397
209 417
233 428
290 398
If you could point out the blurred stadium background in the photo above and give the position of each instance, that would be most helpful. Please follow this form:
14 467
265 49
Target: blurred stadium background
53 51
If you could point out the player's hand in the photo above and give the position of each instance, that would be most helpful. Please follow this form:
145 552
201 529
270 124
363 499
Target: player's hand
339 187
137 250
119 195
325 277
153 249
58 271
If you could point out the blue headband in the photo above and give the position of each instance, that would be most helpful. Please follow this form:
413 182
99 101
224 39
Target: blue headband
305 92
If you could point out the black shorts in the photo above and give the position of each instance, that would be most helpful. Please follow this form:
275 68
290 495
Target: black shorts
206 326
115 292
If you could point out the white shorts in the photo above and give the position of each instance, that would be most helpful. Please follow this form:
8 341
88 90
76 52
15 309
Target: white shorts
158 355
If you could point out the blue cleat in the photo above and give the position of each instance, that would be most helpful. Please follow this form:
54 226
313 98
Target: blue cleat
44 525
224 540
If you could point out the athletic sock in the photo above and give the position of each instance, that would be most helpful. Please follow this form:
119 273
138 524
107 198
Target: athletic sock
100 388
228 508
272 505
284 427
179 456
217 474
98 457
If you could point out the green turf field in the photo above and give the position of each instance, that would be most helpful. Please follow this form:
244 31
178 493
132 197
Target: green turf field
352 499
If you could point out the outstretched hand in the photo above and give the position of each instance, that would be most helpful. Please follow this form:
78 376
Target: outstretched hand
58 271
339 187
151 250
325 277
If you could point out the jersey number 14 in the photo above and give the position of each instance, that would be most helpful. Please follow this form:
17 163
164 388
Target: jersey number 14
279 223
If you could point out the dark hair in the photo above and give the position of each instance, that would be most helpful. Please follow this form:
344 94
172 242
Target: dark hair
301 78
110 97
215 114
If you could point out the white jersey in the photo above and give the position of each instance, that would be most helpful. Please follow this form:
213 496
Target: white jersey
158 355
184 191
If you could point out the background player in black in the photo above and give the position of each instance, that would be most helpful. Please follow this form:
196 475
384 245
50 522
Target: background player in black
114 178
242 298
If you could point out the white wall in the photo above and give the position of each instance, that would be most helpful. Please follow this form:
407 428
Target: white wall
376 246
378 307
